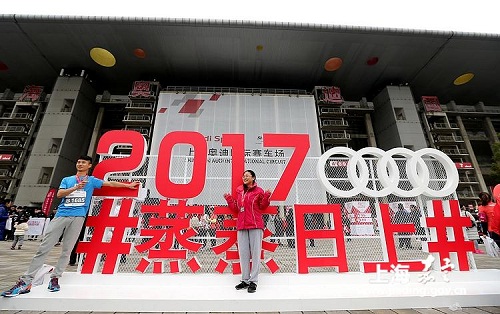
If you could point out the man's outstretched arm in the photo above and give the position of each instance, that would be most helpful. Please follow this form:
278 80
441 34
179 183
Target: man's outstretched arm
114 184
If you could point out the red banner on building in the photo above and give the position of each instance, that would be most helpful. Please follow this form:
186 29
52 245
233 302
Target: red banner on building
463 165
141 89
47 203
6 157
31 93
331 95
431 103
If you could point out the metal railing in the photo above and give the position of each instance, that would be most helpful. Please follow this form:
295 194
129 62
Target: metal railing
455 151
332 111
137 117
336 136
11 143
134 105
334 123
449 138
19 129
239 90
17 115
4 173
143 131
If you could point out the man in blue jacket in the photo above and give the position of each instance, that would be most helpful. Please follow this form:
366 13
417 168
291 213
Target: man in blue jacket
75 192
4 215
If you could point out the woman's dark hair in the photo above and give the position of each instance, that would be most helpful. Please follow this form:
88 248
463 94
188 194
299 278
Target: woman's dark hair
23 218
252 173
485 198
253 176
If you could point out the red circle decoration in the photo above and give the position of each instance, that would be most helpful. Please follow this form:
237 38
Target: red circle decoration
3 66
333 64
139 53
372 61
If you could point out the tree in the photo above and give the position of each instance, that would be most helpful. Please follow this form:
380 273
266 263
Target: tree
495 165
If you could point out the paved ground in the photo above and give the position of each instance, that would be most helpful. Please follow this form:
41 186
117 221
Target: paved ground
14 262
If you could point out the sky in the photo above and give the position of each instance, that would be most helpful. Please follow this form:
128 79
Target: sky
479 16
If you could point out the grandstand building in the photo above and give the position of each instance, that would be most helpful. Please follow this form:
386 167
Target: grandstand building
65 81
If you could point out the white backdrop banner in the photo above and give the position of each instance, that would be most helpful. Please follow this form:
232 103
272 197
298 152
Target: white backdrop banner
213 115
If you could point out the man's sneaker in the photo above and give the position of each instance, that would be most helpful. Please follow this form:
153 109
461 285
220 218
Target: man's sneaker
241 285
20 288
54 284
252 287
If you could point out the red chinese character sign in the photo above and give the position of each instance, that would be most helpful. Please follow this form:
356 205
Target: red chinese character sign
31 93
431 103
330 95
141 89
168 232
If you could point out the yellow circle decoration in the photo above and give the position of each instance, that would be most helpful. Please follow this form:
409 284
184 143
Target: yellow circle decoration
463 79
102 57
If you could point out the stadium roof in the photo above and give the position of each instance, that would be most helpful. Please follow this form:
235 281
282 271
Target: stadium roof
249 54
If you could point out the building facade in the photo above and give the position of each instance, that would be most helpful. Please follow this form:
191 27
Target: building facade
43 134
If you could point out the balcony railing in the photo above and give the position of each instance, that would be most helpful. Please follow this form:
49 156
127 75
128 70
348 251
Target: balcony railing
11 143
5 173
139 106
334 123
467 179
331 111
336 136
444 126
137 118
143 131
455 151
17 116
449 138
478 136
12 129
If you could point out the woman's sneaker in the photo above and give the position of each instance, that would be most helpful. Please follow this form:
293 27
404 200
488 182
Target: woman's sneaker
20 288
241 285
54 284
252 287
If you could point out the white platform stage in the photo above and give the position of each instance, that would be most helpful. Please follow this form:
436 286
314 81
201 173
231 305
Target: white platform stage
278 292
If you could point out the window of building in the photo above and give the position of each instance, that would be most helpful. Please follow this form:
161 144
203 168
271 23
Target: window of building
54 145
67 105
400 114
45 175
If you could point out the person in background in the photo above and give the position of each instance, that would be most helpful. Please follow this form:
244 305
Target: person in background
494 217
403 217
210 225
289 226
21 226
279 230
472 233
415 216
9 227
310 225
4 215
249 202
194 223
37 213
75 192
485 209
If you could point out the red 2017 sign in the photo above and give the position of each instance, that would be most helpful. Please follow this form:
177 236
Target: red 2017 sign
169 189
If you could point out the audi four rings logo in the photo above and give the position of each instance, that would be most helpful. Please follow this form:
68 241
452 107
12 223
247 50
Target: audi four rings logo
388 173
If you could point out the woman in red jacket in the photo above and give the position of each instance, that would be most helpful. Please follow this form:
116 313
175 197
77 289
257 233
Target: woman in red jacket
250 201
